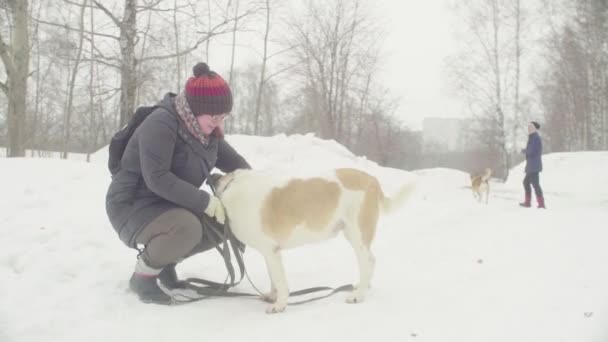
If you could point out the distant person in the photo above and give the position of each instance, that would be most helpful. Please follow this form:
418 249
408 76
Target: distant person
534 165
155 199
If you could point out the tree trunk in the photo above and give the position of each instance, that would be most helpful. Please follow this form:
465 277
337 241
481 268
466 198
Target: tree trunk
144 46
229 123
208 42
92 143
516 112
258 100
68 116
35 144
498 88
17 77
178 66
128 77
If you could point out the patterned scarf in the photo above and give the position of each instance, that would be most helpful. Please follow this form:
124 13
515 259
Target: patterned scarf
185 113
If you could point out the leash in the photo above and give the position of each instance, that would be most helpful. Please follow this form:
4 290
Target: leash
201 289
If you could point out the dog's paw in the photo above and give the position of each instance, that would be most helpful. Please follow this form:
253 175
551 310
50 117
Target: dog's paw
275 308
355 297
270 297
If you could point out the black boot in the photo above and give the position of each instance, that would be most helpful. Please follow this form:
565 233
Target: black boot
168 277
147 289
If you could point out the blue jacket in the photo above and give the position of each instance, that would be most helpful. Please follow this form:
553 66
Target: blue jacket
533 152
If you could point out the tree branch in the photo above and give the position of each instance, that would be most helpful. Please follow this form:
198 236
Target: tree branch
282 51
108 13
207 36
65 26
78 4
100 61
282 70
151 7
5 55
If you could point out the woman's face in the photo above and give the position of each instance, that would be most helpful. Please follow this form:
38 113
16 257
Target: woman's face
208 122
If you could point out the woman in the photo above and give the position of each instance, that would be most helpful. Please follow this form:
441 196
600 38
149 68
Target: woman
155 199
534 165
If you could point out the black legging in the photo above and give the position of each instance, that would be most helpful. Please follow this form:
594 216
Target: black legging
532 179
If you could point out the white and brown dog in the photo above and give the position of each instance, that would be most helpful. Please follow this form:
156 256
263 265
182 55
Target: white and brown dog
271 211
481 184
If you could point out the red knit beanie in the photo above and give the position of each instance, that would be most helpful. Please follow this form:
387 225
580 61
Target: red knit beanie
207 92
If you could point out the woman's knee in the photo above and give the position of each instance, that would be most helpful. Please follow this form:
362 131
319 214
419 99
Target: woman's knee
187 226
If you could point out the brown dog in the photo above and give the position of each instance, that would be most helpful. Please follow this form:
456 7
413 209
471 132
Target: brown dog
481 184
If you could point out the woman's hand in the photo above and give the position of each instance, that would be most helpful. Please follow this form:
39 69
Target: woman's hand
215 209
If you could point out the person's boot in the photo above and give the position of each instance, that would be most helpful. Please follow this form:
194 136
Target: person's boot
143 283
168 277
541 202
526 203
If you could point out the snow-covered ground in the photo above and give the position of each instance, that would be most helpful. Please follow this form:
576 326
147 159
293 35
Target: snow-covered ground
448 268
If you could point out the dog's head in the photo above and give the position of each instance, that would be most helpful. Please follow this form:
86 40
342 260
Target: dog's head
214 179
488 173
220 181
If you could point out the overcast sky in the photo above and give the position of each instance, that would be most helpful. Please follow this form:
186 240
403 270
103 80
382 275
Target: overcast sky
419 38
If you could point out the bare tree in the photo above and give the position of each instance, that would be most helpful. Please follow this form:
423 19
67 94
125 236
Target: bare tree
92 116
15 58
72 84
128 77
482 72
235 26
260 87
208 41
233 45
573 85
37 96
128 38
178 66
516 100
333 43
496 68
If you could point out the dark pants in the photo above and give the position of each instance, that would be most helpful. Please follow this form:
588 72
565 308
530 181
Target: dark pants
174 235
532 179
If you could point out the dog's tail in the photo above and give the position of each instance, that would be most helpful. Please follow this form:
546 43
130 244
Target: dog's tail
390 204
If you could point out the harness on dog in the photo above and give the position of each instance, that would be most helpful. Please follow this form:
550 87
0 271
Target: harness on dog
198 289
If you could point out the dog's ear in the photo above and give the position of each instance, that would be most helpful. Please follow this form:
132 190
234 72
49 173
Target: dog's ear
214 179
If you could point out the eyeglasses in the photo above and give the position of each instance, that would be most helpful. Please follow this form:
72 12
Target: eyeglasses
219 117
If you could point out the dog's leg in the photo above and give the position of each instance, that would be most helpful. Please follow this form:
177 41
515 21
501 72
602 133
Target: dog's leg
476 195
487 192
278 280
366 262
271 296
